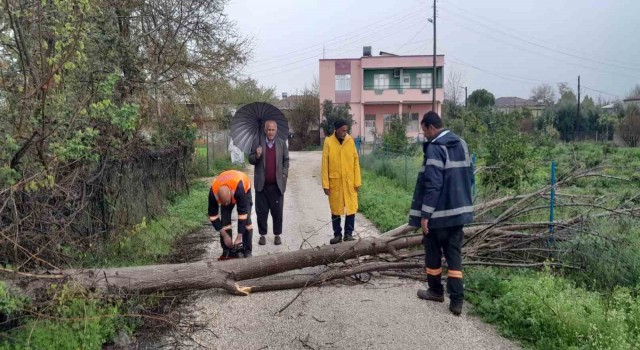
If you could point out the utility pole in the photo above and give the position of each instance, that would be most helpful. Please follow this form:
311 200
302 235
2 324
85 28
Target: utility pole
322 51
575 127
433 78
465 97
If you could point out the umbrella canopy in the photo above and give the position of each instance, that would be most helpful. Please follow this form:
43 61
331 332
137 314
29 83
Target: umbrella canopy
248 123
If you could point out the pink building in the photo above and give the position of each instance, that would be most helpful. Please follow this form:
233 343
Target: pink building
382 88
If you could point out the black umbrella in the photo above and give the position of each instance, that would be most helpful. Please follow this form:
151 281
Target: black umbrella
248 123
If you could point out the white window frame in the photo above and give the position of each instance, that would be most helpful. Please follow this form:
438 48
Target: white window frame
381 81
387 119
413 121
343 82
423 80
406 81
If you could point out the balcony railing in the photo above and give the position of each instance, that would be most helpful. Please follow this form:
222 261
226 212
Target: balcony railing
400 87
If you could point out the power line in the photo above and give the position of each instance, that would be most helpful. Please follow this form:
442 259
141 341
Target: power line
602 92
335 50
496 26
411 12
520 79
348 41
453 20
413 37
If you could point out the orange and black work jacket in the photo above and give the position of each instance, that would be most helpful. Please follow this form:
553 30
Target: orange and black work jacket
239 184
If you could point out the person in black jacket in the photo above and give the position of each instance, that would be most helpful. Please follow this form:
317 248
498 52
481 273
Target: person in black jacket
441 206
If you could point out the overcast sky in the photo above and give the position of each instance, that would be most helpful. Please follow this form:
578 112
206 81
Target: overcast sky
504 46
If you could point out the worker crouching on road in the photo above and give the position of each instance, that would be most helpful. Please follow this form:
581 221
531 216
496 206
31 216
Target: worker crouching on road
232 188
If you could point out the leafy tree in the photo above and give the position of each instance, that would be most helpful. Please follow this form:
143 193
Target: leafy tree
508 153
395 139
481 98
333 113
451 110
566 94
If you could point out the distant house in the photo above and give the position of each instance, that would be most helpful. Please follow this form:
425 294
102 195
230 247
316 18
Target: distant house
609 108
510 104
633 100
287 103
381 89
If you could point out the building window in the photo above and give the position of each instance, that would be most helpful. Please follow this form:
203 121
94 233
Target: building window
423 80
388 119
412 121
380 81
343 82
406 81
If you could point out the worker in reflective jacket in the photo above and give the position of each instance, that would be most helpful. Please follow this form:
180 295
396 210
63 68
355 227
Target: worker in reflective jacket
441 206
229 189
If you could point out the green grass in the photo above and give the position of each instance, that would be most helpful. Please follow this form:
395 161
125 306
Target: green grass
545 311
75 319
151 240
79 319
383 202
596 307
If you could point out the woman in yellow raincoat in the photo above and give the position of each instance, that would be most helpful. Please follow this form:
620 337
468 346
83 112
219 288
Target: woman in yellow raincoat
341 180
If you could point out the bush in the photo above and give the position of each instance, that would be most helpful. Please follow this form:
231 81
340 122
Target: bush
548 312
608 257
395 139
76 319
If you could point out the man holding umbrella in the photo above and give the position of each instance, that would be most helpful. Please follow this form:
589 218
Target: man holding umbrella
341 179
229 189
271 159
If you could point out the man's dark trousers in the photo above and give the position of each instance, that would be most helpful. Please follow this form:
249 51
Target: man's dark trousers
446 240
269 200
225 219
349 223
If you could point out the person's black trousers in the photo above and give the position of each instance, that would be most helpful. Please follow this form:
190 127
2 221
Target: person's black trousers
247 237
447 241
269 200
349 223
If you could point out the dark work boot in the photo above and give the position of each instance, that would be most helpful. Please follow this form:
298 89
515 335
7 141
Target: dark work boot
277 240
262 240
335 240
455 306
428 294
348 237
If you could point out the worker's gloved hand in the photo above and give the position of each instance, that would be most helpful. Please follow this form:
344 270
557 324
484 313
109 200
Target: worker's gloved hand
238 239
226 238
238 247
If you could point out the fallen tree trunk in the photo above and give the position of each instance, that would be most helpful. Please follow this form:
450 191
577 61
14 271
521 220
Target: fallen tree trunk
210 273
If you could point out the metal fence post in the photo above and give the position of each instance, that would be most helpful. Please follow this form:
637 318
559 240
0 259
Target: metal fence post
207 153
473 168
552 201
405 170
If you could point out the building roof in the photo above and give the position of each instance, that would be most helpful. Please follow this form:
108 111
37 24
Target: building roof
287 103
632 98
516 102
375 57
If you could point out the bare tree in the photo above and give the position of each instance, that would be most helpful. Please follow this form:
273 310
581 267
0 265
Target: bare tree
454 89
544 93
635 91
315 88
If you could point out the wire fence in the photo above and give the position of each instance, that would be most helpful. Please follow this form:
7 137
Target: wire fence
619 170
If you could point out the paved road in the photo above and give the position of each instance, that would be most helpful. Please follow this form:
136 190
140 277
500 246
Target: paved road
382 314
